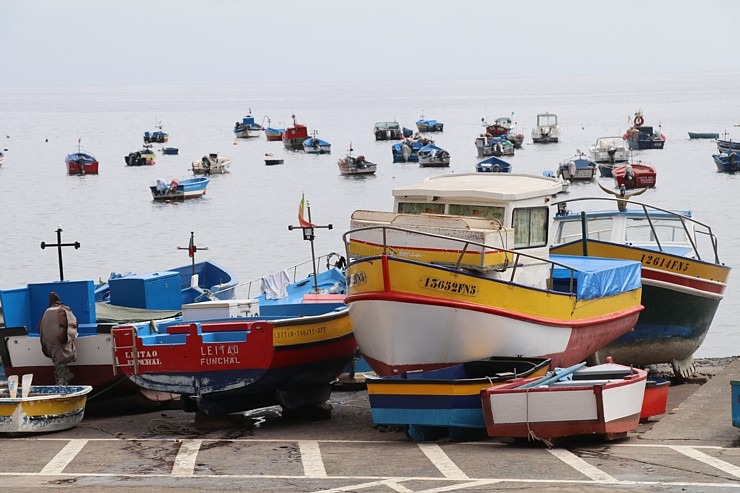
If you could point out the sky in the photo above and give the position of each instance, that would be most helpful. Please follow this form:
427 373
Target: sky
66 43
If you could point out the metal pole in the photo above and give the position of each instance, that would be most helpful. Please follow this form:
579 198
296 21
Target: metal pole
584 233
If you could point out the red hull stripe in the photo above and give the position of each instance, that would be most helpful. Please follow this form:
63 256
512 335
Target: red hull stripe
691 282
462 305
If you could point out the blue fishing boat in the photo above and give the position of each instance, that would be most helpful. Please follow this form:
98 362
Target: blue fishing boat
407 151
190 188
123 298
247 128
425 125
494 146
288 355
493 165
577 168
640 136
170 150
158 136
727 145
703 135
387 131
432 156
407 132
273 134
446 402
727 162
314 145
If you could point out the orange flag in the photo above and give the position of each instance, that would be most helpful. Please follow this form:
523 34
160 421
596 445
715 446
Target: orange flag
301 220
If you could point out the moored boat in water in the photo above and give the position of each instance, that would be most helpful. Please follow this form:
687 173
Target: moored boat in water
247 128
634 175
639 136
294 137
314 145
493 165
189 188
211 164
432 156
351 165
81 162
144 157
577 168
547 129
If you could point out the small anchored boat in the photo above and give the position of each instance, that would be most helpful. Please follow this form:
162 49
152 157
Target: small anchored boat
350 165
211 164
190 188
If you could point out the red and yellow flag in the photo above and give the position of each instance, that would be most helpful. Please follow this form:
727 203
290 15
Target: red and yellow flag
301 220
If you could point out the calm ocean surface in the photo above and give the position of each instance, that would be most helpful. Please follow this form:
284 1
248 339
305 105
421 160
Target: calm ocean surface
244 216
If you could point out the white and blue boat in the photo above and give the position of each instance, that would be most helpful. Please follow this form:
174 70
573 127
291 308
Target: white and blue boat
494 146
425 125
432 156
158 136
407 151
314 145
493 165
190 188
247 128
577 168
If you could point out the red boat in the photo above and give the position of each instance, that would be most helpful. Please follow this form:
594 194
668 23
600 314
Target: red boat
81 163
294 136
634 176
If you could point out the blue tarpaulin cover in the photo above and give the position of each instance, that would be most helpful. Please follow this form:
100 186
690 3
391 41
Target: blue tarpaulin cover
597 277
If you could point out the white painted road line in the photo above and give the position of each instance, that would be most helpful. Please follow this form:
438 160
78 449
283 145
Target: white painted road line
64 457
441 461
185 461
708 459
581 465
313 464
390 483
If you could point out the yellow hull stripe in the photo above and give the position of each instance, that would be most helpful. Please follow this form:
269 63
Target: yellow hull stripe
652 259
444 285
327 328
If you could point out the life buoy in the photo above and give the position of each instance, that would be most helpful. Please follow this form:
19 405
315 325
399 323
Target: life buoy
639 120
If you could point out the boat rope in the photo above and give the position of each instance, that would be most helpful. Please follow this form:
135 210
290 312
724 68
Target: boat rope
531 435
114 384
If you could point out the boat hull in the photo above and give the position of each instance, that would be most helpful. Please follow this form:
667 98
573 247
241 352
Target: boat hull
290 362
610 409
46 409
680 296
445 402
402 323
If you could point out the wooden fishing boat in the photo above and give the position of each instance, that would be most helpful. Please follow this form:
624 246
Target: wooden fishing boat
314 145
294 136
634 175
430 286
211 164
287 355
446 402
41 408
144 157
387 131
426 125
703 135
272 134
547 129
601 400
640 136
727 162
577 168
683 279
81 162
157 136
493 165
350 165
432 156
190 188
123 298
247 128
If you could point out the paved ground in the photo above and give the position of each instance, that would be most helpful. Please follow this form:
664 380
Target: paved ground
691 448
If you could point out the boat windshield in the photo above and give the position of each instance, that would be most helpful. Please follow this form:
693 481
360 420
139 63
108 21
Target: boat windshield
547 120
638 230
598 229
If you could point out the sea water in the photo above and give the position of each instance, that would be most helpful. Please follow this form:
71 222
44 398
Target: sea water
244 217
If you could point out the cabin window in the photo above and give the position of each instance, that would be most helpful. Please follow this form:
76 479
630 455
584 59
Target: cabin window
530 227
420 208
667 230
485 211
598 229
